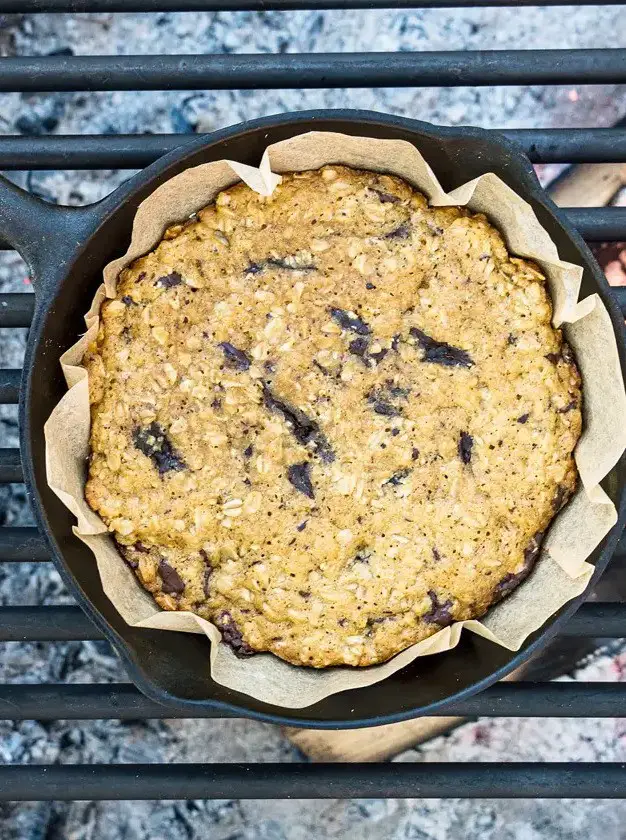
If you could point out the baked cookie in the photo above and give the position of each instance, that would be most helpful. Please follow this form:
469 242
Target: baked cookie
332 420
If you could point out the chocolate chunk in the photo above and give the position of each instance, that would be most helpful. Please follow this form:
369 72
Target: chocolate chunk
436 555
465 447
439 352
385 197
378 356
523 418
512 339
235 357
169 280
396 391
440 612
171 581
395 342
512 581
231 634
403 231
270 367
128 559
342 622
398 477
572 404
305 430
359 346
253 268
304 593
370 286
415 453
395 432
153 442
216 403
282 263
299 476
248 451
553 357
141 548
127 299
302 525
349 321
561 497
206 578
385 408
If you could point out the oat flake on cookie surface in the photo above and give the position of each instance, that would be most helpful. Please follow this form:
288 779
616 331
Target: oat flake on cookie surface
332 420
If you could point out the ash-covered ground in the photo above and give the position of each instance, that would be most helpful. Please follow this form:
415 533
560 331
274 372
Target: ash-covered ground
201 741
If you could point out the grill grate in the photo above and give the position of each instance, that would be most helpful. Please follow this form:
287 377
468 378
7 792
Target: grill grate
69 623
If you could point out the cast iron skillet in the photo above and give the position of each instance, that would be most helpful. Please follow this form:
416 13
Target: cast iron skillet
66 249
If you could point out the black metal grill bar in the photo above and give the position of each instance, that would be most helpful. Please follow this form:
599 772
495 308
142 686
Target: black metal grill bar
596 224
312 70
69 623
16 309
34 6
9 385
313 781
22 545
10 466
132 151
124 702
46 624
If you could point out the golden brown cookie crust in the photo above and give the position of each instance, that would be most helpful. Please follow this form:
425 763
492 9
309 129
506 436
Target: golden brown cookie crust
332 420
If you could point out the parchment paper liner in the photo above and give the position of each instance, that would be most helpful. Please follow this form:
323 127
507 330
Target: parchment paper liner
561 572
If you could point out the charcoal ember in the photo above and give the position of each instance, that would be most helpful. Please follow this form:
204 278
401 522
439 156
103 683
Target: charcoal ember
403 231
235 357
385 197
349 321
153 442
168 281
171 581
253 268
299 476
572 404
231 634
512 581
398 477
439 352
305 430
290 265
523 418
466 442
440 612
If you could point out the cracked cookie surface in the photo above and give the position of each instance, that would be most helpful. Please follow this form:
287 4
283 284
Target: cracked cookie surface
333 420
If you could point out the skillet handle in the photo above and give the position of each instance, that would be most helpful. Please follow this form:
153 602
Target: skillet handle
45 235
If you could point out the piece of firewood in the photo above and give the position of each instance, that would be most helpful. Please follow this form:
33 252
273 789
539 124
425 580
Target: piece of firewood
588 185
